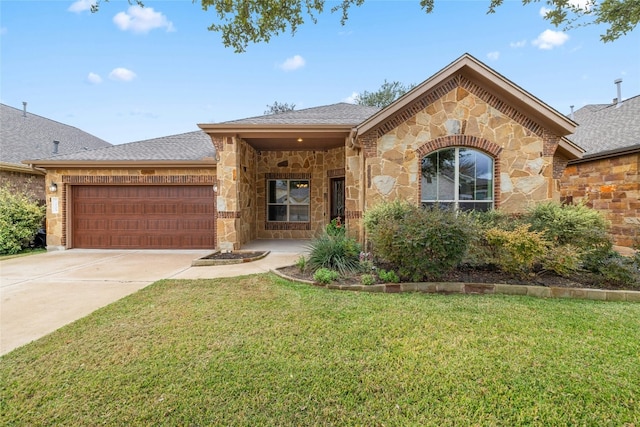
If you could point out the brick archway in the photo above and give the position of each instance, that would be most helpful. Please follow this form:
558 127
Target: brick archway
481 144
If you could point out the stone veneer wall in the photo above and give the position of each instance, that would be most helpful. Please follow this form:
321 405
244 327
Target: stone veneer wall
25 182
612 186
456 113
57 224
247 194
317 166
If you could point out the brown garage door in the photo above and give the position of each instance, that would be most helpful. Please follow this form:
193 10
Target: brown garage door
143 217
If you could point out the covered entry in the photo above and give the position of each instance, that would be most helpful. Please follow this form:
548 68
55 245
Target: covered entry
143 217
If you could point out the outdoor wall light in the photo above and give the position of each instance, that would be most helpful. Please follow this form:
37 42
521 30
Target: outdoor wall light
215 188
53 187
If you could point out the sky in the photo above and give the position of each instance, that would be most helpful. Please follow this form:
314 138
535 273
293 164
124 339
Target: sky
127 74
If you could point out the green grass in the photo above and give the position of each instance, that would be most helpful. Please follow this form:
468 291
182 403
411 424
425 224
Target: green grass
24 252
258 350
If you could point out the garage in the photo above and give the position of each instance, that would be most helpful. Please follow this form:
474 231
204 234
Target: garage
143 217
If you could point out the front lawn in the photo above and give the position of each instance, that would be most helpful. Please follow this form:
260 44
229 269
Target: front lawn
259 350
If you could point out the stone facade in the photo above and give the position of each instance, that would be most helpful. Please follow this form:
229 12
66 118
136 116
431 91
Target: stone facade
458 113
57 223
242 178
612 186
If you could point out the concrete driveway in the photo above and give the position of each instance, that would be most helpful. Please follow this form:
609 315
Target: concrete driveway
40 293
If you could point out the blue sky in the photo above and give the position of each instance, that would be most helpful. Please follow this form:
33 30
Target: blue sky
125 74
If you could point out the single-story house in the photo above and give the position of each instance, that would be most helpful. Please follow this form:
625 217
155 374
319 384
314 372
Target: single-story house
466 137
24 135
606 176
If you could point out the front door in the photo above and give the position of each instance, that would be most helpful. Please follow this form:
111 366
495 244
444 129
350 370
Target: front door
337 198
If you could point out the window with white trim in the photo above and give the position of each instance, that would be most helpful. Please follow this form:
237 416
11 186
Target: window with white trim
458 177
288 200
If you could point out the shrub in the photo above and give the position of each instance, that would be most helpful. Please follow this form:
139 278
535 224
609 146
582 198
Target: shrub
562 260
301 263
517 251
325 276
368 279
578 224
388 276
20 218
335 227
337 252
418 242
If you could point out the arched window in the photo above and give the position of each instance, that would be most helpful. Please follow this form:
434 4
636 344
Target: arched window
458 177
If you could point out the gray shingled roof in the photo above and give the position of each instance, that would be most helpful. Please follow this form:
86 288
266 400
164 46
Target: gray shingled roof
183 147
605 127
32 137
334 114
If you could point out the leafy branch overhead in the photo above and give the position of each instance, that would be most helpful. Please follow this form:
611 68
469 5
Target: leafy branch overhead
241 22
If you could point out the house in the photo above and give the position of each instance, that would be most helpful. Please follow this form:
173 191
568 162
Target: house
24 135
606 176
466 137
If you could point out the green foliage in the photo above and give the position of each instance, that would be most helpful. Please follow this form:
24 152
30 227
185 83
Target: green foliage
578 224
277 108
388 276
301 263
418 242
562 260
335 227
517 251
388 93
368 279
614 268
337 252
325 276
20 218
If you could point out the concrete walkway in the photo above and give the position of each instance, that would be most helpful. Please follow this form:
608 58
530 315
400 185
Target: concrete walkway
41 293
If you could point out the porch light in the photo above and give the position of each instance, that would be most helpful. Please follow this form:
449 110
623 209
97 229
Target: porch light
300 140
53 187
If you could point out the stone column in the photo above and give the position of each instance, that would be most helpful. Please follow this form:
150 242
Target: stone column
228 218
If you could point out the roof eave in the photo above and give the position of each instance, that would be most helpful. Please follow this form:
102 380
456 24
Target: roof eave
570 150
12 167
635 149
59 164
469 66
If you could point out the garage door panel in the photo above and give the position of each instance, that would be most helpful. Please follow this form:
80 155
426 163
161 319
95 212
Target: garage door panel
152 217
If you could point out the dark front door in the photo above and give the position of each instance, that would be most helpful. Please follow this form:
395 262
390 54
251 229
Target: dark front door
337 198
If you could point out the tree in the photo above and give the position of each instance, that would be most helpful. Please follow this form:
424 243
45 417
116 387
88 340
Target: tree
277 108
241 22
388 92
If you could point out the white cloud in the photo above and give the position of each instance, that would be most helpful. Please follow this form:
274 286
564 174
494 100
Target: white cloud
543 11
94 78
351 99
293 63
141 20
549 39
585 5
518 44
81 6
493 55
122 75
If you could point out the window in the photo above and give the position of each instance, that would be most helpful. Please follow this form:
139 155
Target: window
458 177
288 200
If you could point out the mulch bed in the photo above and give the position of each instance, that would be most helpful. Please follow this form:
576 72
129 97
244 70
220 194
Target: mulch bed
233 255
486 275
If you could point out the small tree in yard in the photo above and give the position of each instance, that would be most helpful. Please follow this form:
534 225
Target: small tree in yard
20 218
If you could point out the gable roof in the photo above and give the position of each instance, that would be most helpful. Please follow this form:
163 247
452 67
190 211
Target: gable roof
29 136
319 127
181 149
608 129
498 86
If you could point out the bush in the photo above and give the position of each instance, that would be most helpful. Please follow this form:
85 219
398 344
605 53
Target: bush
368 279
301 263
517 251
335 227
388 276
577 225
337 252
325 276
418 242
562 260
20 218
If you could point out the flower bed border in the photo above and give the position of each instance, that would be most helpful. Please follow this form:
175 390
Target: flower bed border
481 288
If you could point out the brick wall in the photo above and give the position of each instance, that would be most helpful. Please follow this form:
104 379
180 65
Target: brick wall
25 182
612 186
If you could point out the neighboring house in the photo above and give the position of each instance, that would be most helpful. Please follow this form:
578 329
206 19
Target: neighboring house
466 137
24 135
607 175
